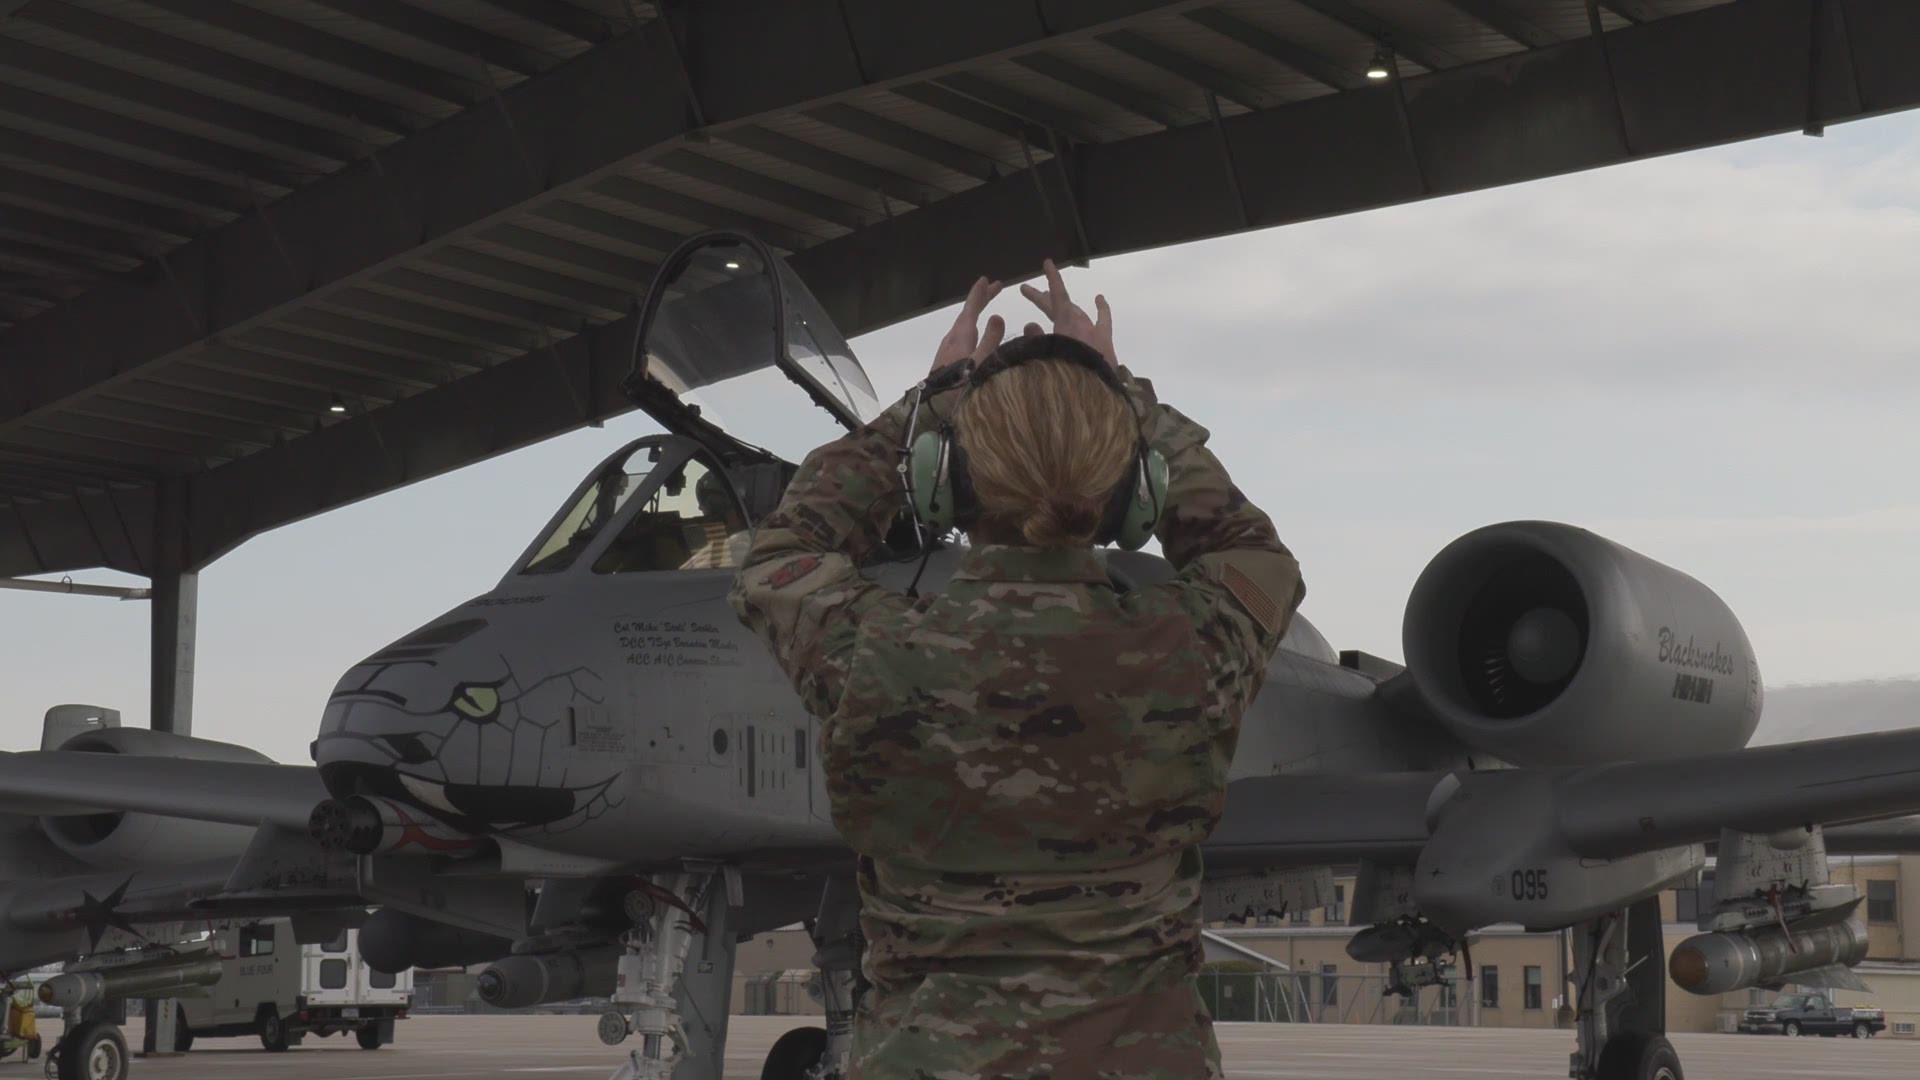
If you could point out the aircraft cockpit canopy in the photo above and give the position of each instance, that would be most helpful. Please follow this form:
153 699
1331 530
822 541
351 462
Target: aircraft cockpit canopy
726 334
730 327
665 506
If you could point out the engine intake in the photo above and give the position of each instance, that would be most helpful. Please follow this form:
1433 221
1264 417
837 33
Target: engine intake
1545 644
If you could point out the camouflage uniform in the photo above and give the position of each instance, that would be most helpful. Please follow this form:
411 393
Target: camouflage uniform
1026 763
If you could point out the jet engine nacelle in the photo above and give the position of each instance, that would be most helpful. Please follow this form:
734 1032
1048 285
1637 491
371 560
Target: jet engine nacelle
114 841
1544 644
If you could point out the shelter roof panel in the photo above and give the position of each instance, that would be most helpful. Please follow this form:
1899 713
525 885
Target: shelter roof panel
233 28
219 218
97 41
1312 31
401 29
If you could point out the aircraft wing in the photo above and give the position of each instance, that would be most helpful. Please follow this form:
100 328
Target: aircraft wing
1550 847
1612 810
55 782
1596 812
1894 836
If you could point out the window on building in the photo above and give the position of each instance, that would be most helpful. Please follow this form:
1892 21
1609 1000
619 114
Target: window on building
256 940
333 974
1449 995
1686 905
1530 987
1883 902
381 980
1489 987
1301 916
1329 984
1337 911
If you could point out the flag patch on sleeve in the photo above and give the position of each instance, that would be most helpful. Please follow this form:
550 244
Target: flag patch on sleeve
791 571
1252 597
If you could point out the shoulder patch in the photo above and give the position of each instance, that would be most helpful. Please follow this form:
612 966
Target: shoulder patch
791 571
1252 597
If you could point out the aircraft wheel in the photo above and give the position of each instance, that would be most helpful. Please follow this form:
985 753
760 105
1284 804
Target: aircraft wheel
33 1048
1640 1057
273 1030
1791 1029
182 1034
795 1055
369 1037
93 1051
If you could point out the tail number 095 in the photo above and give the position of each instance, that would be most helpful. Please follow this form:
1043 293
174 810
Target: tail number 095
1528 885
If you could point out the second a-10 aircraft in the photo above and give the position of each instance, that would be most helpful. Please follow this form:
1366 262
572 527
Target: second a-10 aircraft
593 777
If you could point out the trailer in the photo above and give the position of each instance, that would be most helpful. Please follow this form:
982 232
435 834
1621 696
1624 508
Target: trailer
282 991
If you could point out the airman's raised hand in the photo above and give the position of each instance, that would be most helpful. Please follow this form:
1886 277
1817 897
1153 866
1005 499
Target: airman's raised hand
965 341
1070 319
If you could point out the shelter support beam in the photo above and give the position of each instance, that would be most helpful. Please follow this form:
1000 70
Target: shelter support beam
174 614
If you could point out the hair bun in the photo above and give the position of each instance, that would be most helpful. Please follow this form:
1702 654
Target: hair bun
1062 522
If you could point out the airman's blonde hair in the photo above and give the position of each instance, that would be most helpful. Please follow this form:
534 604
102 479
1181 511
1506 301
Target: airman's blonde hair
1046 443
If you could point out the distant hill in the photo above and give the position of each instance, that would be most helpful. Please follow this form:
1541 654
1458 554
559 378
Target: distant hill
1824 710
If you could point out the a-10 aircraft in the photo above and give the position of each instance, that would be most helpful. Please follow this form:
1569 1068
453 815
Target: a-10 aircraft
593 777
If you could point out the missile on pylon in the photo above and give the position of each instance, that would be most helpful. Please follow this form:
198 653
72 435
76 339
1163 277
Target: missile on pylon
75 989
521 982
1709 964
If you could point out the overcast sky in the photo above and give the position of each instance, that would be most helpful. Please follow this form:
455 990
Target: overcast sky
1709 358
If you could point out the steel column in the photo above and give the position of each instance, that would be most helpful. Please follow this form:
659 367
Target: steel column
176 603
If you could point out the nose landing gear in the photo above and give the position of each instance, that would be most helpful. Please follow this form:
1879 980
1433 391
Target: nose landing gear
671 994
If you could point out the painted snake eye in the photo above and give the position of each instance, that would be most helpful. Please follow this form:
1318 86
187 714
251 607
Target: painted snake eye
476 702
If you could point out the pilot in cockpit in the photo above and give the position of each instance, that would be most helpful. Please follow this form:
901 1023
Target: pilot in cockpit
723 528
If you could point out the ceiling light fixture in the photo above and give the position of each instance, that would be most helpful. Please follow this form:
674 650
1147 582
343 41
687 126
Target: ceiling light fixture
733 266
338 406
1382 65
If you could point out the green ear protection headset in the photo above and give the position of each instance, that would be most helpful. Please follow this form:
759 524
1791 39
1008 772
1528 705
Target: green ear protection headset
942 491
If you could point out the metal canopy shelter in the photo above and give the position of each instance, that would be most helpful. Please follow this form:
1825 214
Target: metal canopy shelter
260 258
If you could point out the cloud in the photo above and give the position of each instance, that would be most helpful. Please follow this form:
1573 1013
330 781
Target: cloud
1683 274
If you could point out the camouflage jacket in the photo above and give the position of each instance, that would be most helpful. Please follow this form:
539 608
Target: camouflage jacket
1026 763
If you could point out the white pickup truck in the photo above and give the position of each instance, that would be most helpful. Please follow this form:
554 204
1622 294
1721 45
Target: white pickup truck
281 991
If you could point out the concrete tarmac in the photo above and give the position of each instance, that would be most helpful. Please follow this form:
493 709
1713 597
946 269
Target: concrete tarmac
531 1047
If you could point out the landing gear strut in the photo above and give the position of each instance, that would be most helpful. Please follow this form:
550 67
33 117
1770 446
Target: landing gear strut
670 993
837 948
1621 1018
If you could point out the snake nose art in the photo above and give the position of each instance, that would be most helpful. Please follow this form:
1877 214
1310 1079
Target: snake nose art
455 721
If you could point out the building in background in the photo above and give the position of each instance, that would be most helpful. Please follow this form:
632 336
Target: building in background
1521 978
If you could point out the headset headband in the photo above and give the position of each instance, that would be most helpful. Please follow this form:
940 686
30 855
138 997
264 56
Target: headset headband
941 486
1027 348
